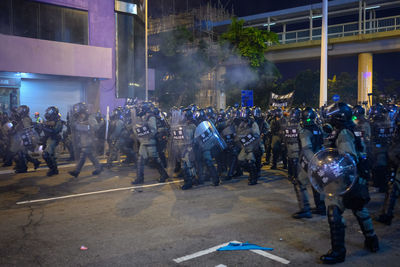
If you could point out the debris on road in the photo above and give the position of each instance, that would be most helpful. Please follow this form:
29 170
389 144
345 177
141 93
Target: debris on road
242 246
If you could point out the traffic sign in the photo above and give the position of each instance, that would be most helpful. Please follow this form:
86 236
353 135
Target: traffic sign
247 98
336 98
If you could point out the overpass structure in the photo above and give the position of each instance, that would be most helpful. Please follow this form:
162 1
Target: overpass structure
356 27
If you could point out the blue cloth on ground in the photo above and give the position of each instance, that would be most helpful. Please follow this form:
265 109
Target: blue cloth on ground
242 246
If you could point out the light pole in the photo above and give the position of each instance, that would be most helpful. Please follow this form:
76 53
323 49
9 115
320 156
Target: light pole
146 59
323 90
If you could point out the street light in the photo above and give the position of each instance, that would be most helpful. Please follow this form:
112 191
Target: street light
323 90
146 59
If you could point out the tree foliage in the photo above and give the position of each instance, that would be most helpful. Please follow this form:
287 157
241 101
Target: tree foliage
250 43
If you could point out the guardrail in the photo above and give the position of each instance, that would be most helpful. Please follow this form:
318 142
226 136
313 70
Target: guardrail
341 30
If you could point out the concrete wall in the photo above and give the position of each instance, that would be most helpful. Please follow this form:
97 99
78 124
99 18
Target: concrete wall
20 54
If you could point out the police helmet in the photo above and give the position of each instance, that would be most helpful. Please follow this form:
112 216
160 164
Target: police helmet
117 113
295 115
358 112
308 116
257 112
188 114
81 108
245 113
52 114
23 110
340 114
377 112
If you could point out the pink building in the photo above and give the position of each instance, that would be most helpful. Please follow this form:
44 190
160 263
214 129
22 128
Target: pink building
60 52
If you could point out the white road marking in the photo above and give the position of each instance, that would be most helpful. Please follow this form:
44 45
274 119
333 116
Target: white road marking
213 249
202 253
95 192
270 256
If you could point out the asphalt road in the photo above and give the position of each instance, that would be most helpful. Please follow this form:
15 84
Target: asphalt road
155 225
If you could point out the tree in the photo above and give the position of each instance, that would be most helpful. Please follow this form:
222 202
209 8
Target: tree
250 69
250 43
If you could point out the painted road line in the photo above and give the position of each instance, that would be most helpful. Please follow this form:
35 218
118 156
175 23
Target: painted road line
270 256
202 253
221 265
94 193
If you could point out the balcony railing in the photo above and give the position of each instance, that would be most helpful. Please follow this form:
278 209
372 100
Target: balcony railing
341 30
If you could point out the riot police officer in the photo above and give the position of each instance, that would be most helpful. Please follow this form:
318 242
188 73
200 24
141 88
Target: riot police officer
393 187
162 136
52 128
183 129
263 126
382 133
145 128
24 138
248 135
292 142
362 127
311 140
347 143
276 140
84 127
116 127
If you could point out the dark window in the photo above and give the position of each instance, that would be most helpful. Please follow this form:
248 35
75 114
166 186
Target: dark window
75 26
130 57
25 18
5 16
51 22
44 21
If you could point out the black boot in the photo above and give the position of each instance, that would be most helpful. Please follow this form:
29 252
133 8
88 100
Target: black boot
97 171
52 164
337 228
302 200
21 163
253 174
371 243
164 175
139 172
188 182
74 173
386 215
214 175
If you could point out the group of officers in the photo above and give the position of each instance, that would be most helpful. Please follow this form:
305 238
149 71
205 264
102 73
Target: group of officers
204 145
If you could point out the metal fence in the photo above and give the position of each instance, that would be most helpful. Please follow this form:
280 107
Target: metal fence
341 30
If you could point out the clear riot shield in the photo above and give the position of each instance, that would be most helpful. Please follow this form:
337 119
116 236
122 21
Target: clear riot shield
332 173
208 137
175 140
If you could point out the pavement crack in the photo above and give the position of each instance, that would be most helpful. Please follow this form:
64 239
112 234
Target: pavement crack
27 232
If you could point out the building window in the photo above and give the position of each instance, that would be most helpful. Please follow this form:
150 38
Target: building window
43 21
130 62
